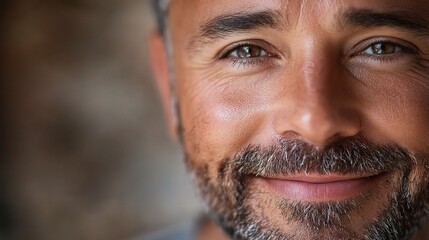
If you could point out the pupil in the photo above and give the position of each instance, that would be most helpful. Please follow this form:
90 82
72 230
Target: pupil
379 48
382 48
248 52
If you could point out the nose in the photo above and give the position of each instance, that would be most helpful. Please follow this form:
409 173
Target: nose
317 104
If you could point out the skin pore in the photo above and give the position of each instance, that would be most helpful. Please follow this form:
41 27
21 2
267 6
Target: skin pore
303 120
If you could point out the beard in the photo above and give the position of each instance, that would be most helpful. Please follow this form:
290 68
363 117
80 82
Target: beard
246 212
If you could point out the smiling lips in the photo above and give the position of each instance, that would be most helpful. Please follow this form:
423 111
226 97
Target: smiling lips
315 187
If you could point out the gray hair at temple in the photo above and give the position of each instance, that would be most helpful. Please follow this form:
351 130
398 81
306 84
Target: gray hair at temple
161 9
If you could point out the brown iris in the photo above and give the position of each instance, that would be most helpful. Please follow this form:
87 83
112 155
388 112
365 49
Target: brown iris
383 48
250 52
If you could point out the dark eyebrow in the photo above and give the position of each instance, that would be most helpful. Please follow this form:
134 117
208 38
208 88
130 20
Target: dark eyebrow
225 25
242 21
399 19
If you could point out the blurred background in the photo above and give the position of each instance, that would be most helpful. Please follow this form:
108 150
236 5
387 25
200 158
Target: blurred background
85 150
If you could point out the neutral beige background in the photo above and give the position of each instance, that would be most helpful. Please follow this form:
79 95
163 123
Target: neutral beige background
86 154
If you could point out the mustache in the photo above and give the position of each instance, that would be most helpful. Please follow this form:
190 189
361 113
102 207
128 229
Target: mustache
353 155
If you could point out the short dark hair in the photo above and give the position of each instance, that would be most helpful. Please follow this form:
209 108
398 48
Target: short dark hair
161 15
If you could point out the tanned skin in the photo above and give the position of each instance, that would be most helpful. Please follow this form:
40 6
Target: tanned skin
258 77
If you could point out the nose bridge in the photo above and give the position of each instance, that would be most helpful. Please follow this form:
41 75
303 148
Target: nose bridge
319 110
316 81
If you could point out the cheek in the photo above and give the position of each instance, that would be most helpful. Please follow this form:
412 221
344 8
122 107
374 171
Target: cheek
397 108
220 118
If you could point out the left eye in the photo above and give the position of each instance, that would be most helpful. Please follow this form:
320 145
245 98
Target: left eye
248 51
382 48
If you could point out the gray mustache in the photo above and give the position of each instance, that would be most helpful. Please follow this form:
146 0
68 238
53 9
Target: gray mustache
354 155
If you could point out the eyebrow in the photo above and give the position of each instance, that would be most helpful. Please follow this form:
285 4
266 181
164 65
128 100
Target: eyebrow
224 25
242 21
399 19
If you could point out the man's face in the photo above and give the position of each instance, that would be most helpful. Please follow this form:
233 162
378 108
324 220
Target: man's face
306 119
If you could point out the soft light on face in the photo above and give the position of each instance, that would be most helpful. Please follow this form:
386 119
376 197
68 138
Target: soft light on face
303 119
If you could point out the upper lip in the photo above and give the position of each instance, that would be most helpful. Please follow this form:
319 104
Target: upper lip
319 178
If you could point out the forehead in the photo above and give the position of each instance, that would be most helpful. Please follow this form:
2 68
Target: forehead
191 14
202 7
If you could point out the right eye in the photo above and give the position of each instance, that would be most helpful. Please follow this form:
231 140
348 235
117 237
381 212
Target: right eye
247 51
250 53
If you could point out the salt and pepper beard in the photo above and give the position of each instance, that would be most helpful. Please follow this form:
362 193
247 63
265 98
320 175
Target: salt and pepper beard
228 194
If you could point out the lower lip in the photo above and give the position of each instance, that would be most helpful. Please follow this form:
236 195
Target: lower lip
322 191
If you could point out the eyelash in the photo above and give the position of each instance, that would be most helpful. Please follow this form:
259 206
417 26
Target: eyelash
258 61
